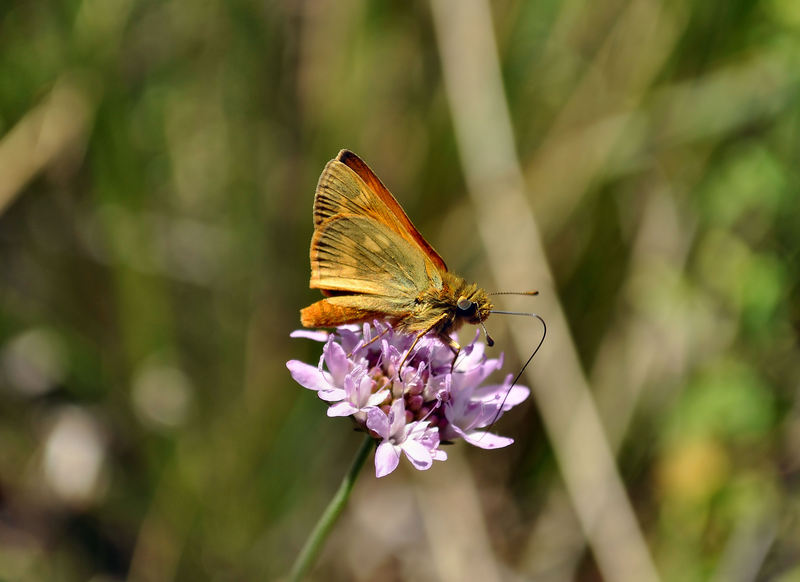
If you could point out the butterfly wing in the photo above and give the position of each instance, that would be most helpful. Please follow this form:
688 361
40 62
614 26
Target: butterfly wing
358 254
348 186
367 270
366 256
342 309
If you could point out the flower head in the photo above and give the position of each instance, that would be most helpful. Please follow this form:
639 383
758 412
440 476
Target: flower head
411 409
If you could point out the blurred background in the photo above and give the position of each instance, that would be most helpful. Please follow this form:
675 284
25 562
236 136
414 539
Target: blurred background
158 160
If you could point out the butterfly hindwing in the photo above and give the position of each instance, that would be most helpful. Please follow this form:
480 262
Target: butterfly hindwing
332 312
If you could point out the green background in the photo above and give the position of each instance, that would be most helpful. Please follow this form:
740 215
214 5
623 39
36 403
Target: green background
157 167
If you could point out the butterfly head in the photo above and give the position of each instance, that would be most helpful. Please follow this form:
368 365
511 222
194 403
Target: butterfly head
473 307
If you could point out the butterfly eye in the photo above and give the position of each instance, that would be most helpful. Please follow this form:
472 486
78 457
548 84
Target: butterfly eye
465 305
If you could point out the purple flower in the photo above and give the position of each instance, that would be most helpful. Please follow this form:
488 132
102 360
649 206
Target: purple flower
412 410
471 408
359 395
416 439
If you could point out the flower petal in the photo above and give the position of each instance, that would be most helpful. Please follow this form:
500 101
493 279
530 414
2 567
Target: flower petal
467 413
418 454
349 337
378 421
397 417
343 408
377 398
319 336
493 395
332 394
337 362
386 459
362 391
486 440
308 376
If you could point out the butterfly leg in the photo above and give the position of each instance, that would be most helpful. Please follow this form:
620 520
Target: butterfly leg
453 345
376 338
408 352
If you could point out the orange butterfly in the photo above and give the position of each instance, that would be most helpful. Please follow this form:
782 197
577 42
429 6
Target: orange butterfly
371 263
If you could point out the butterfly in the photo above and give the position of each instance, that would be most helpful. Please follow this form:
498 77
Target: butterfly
370 262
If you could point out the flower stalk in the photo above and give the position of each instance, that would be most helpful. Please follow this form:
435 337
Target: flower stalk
327 520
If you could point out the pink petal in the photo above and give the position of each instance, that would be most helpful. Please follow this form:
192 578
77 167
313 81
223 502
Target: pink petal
378 421
486 440
319 336
308 376
472 358
386 459
495 394
517 395
467 414
418 454
397 416
438 455
332 395
341 409
378 397
336 359
362 391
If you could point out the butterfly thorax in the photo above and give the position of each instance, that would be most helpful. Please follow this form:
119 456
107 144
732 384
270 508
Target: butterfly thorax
456 303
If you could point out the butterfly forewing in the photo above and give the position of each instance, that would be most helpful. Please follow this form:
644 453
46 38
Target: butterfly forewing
361 255
348 186
340 191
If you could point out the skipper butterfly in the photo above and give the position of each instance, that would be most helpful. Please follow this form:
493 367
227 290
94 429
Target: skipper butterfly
370 262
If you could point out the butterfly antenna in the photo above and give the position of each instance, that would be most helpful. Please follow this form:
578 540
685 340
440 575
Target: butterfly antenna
528 293
519 375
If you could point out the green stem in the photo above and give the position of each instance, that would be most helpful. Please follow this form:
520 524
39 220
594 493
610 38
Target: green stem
308 554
